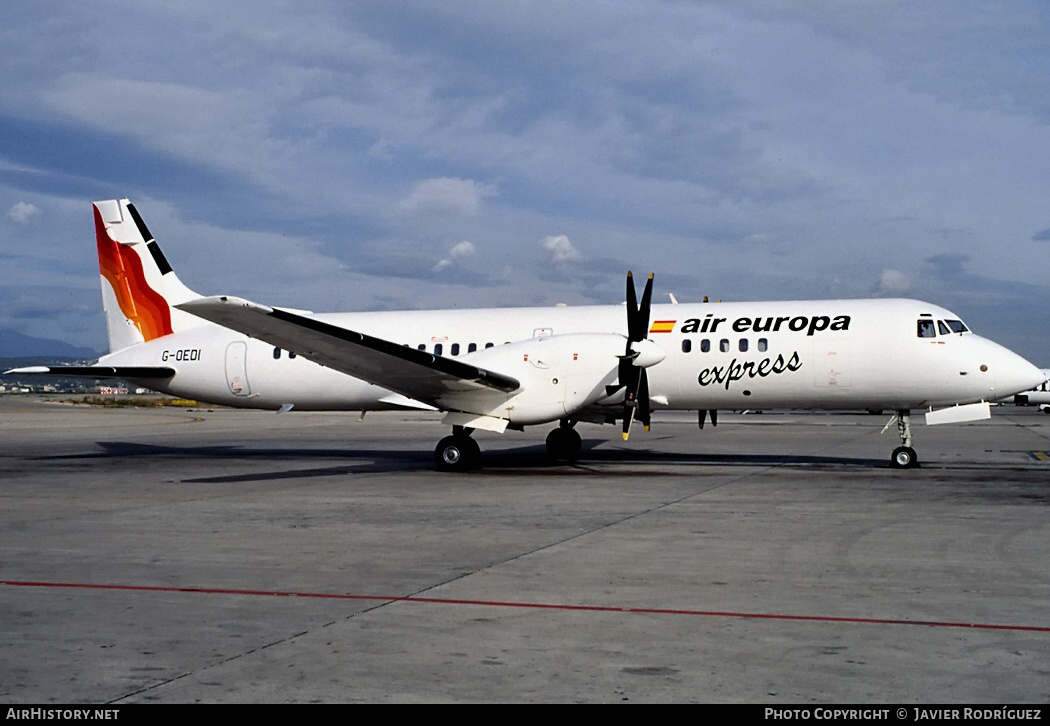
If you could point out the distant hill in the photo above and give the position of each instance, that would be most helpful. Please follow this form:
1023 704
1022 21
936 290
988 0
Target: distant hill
16 345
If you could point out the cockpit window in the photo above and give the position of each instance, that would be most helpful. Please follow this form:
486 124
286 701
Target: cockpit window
957 326
942 328
926 329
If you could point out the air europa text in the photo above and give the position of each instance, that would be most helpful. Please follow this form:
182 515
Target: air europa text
771 324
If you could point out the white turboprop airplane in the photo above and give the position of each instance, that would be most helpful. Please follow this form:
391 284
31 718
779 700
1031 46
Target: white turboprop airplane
495 369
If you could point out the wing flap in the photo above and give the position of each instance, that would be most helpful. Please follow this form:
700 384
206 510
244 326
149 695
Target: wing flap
402 369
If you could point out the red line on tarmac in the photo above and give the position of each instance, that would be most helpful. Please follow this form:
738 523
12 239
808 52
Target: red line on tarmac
530 605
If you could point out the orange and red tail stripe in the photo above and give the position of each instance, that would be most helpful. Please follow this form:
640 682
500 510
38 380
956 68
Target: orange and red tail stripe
122 268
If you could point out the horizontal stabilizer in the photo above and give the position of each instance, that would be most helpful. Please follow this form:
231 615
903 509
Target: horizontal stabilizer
95 371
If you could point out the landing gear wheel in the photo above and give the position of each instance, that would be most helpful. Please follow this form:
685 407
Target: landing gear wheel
904 457
564 444
457 453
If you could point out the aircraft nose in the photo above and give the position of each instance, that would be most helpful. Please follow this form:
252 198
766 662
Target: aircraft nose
1013 374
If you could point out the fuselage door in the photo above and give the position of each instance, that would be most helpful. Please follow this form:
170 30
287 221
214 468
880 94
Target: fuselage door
832 364
237 368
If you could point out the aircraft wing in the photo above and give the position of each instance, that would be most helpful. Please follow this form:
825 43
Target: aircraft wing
139 372
414 373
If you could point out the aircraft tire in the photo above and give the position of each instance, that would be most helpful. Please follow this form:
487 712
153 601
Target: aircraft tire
904 457
457 453
564 444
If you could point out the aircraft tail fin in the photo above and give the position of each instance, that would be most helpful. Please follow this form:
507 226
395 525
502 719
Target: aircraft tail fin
139 288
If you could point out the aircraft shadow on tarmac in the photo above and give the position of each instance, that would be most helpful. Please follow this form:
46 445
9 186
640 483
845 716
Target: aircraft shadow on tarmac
521 460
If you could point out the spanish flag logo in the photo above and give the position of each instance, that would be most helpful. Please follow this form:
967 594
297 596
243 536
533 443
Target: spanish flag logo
662 326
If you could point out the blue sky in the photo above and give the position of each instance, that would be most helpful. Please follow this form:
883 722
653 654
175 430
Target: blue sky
387 155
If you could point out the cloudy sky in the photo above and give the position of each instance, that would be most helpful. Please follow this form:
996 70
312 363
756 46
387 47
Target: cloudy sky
389 155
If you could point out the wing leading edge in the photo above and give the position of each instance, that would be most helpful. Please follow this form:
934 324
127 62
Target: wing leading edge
413 373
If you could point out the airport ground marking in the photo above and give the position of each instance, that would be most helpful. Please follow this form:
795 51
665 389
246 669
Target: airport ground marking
534 606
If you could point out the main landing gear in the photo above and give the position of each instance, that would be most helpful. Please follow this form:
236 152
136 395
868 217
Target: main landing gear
904 456
564 443
458 452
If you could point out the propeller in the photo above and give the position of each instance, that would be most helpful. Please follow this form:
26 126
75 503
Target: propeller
632 377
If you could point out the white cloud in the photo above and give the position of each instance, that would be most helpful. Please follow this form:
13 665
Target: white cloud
463 249
445 197
310 265
22 212
894 282
560 249
220 127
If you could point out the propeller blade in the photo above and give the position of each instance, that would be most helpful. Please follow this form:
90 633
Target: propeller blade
643 310
638 315
628 417
632 305
629 379
632 381
643 400
704 413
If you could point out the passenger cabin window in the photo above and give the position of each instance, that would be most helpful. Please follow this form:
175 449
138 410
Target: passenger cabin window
455 349
926 329
724 345
472 347
438 348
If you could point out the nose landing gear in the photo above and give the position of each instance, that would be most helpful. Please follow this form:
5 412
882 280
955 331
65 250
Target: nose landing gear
904 456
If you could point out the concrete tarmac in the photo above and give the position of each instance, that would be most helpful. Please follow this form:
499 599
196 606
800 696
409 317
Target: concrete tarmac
168 556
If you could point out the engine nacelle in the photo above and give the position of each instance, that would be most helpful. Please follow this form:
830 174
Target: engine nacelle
559 374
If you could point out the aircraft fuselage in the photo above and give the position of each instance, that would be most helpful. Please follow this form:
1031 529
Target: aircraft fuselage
828 354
